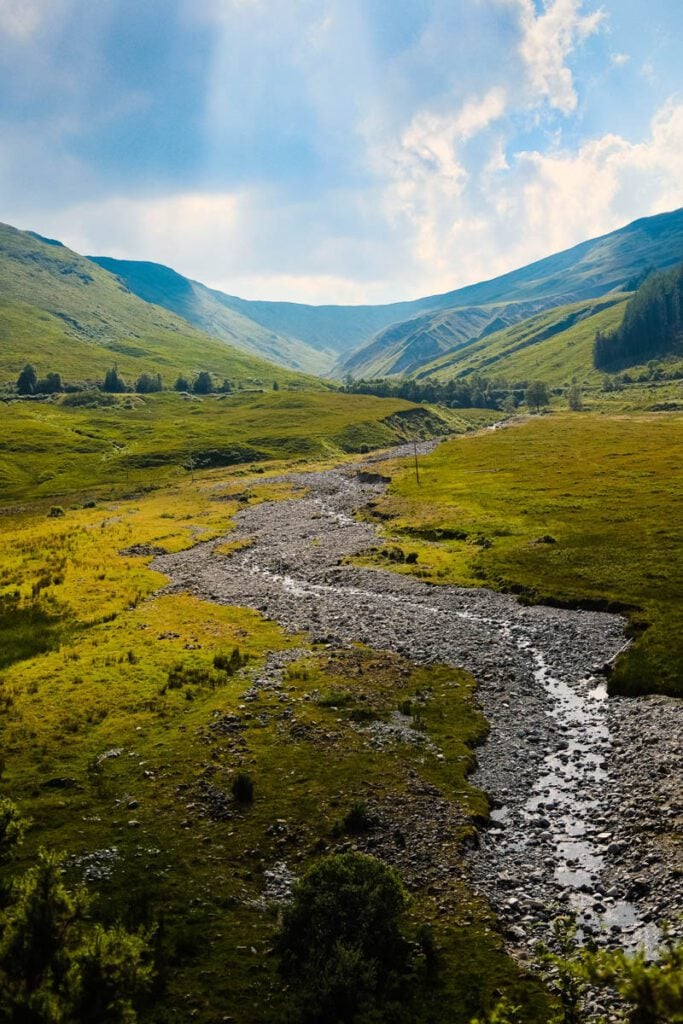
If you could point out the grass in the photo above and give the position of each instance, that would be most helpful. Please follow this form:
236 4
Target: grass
132 777
50 449
608 489
124 733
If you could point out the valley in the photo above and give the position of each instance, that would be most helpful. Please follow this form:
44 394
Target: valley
432 619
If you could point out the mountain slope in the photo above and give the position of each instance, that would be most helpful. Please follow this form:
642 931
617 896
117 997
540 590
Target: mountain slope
207 309
405 347
66 314
400 337
586 271
555 345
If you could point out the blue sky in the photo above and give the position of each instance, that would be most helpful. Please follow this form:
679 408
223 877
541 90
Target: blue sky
338 150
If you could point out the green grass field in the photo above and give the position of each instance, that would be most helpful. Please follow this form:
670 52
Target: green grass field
49 449
607 489
130 776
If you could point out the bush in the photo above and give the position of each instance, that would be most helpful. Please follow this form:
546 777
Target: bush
242 788
230 663
56 512
358 819
341 948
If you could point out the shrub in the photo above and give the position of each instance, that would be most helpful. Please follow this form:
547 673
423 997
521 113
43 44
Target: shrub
57 966
358 819
242 788
56 511
341 948
230 663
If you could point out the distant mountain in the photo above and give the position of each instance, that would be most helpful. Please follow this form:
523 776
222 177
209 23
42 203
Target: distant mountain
586 271
64 313
403 348
401 337
212 312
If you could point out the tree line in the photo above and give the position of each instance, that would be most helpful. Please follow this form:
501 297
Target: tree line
203 383
652 326
474 393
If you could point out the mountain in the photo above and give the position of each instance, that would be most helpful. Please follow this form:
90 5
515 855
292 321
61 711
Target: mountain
402 337
586 271
210 311
554 345
63 313
403 348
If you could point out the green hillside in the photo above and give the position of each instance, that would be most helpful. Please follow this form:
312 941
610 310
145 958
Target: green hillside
401 337
54 448
403 349
586 271
209 310
63 313
554 346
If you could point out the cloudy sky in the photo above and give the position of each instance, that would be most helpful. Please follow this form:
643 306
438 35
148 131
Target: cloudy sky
338 150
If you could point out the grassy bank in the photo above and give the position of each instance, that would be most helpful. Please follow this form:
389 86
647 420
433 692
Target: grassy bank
122 735
576 508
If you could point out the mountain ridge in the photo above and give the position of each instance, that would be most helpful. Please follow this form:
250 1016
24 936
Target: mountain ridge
366 340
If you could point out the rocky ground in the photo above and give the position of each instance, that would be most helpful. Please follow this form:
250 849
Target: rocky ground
586 791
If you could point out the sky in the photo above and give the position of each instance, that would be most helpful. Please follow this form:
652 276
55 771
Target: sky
338 151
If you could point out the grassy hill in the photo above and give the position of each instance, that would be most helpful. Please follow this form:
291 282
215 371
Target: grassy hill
400 337
554 346
51 449
209 310
404 348
65 314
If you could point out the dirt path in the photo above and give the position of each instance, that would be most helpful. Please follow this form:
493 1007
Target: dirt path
586 790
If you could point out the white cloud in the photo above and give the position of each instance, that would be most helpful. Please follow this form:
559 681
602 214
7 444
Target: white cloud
548 39
20 19
618 60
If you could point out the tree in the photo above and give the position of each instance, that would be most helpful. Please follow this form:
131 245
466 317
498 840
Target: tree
203 385
536 395
113 382
55 966
50 385
575 398
12 829
276 386
182 384
27 380
341 947
148 383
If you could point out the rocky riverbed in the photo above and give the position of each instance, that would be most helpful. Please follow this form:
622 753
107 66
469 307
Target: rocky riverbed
586 791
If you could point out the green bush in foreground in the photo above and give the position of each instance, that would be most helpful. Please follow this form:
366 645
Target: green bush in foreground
341 946
650 992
